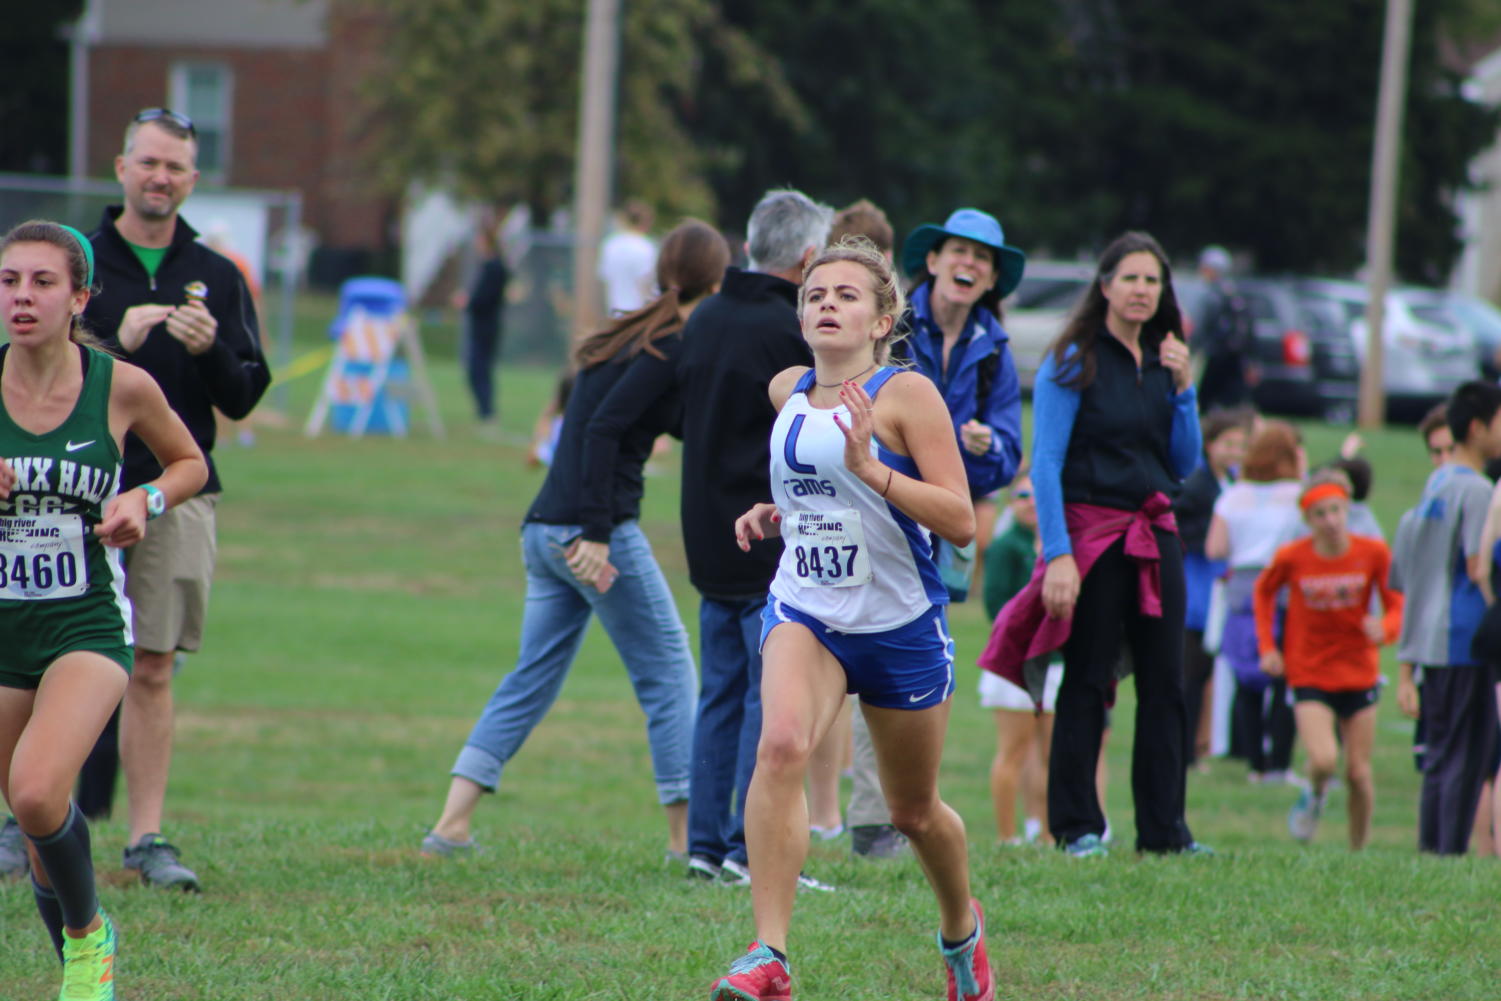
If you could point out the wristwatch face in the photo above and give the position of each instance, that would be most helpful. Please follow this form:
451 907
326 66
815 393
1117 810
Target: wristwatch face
156 503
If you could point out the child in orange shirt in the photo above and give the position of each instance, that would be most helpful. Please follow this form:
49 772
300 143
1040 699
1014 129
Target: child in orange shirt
1329 646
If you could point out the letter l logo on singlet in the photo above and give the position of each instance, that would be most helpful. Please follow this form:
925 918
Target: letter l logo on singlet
789 449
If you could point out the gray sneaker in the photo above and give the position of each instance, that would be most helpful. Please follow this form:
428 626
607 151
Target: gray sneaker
157 862
436 846
877 841
732 873
14 862
807 882
703 869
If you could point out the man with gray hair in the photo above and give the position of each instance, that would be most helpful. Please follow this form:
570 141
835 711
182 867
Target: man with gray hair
733 344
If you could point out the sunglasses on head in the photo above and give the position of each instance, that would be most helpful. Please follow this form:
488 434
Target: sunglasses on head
167 115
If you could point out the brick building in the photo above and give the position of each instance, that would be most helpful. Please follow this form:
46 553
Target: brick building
270 86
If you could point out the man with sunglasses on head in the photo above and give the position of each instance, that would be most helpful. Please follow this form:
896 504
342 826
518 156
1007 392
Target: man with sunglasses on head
169 304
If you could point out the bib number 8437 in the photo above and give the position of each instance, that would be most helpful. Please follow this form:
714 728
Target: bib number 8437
826 548
825 561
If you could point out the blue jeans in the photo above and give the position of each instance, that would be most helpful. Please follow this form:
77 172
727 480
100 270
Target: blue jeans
642 622
728 727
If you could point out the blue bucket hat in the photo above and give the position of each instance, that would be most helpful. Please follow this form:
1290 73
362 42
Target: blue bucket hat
971 224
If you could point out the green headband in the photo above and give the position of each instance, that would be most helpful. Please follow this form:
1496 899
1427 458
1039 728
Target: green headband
88 251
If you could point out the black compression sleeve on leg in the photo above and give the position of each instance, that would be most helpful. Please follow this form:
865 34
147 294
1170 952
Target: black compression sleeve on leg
52 914
66 859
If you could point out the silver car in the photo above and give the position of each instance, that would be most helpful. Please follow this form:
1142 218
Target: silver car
1427 351
1035 311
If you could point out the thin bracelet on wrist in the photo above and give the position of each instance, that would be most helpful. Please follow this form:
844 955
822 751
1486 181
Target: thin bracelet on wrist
889 474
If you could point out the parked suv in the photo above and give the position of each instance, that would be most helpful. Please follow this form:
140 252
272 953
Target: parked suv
1302 359
1427 351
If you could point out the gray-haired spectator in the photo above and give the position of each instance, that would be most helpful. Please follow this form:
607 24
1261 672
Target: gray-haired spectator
1223 333
733 344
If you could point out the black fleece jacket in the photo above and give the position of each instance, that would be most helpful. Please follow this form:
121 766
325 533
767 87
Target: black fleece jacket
232 375
733 344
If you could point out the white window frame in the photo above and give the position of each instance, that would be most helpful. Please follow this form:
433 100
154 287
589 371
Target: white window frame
177 90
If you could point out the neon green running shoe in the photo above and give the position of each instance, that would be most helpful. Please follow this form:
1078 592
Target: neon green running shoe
89 965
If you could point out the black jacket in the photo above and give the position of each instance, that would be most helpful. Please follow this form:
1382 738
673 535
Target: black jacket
733 344
615 412
1118 454
232 375
487 295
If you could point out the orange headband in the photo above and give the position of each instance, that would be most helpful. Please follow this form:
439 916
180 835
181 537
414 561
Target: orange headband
1322 491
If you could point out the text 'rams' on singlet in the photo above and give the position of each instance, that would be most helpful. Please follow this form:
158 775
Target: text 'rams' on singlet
51 562
850 559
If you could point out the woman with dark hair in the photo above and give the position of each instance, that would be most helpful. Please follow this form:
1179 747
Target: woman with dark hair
585 553
65 627
1116 430
1252 517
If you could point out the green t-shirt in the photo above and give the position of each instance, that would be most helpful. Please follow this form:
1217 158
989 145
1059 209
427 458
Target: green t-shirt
1009 560
150 257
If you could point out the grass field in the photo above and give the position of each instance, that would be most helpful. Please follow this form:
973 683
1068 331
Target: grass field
368 600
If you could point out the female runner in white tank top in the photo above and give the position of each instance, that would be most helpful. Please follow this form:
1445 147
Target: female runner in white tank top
864 464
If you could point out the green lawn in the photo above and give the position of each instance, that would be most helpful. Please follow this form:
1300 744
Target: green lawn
368 600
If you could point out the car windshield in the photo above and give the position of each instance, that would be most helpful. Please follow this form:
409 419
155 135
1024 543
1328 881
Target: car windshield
1434 310
1349 310
1046 293
1479 315
1261 305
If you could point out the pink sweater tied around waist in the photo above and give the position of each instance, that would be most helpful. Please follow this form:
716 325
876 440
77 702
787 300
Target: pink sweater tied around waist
1024 630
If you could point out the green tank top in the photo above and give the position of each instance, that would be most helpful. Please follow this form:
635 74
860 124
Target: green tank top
48 550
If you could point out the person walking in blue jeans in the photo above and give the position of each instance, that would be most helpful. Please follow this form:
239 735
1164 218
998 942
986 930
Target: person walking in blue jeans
731 348
586 555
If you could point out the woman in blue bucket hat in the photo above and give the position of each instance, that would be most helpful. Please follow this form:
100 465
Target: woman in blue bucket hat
962 270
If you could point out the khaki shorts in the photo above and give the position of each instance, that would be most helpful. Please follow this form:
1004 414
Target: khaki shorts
168 575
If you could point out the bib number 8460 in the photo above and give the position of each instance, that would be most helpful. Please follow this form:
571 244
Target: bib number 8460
39 574
42 558
824 562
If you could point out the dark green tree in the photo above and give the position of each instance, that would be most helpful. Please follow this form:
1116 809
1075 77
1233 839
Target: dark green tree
898 98
34 100
1250 123
482 96
1244 122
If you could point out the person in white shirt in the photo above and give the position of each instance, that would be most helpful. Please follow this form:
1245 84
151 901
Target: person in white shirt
628 261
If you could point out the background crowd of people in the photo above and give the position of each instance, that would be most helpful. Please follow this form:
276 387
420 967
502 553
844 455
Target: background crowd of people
848 440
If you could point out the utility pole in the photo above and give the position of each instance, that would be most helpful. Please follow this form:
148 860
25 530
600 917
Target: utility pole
80 35
1382 221
596 154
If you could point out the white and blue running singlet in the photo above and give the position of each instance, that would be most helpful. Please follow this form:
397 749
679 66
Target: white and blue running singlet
850 559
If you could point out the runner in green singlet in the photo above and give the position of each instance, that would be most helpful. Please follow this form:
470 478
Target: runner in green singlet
65 409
